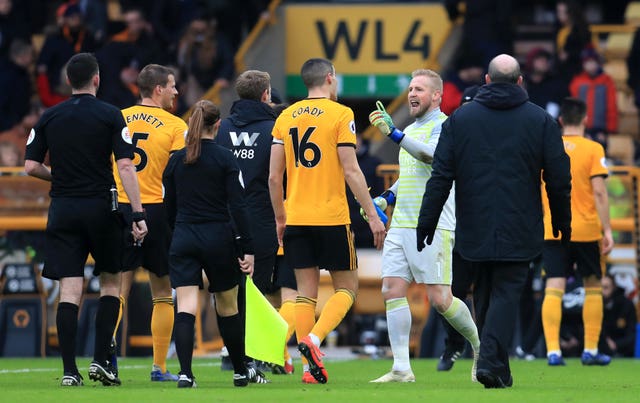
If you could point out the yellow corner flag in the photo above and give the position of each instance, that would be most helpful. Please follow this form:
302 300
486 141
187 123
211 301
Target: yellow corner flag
266 330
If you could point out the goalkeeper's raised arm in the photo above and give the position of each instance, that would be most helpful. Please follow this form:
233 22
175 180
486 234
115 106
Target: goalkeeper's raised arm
418 149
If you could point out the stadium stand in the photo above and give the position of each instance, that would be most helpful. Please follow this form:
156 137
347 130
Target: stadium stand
24 200
22 311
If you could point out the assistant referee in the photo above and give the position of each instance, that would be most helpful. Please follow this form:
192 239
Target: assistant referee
80 135
203 191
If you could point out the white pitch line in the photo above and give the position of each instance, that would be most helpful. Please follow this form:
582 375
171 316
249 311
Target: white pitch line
30 370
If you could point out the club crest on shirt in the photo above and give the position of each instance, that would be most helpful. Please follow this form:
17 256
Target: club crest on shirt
125 135
32 135
603 162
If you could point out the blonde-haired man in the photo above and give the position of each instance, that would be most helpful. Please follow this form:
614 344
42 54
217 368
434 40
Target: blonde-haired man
401 262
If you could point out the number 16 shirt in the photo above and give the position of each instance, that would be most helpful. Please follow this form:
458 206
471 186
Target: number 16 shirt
311 131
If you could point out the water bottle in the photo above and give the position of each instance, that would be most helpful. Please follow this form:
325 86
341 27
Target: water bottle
114 198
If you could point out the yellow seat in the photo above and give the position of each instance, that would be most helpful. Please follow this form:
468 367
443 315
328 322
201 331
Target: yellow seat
621 147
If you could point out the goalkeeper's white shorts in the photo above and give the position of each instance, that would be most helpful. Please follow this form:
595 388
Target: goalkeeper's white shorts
400 257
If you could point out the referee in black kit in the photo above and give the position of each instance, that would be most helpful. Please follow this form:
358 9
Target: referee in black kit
81 134
203 191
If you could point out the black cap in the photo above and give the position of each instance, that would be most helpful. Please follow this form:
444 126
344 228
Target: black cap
468 94
275 96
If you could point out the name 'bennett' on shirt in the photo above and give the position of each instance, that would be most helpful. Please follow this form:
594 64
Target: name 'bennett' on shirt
152 120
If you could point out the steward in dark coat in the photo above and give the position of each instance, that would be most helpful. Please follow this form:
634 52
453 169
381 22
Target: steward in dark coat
497 148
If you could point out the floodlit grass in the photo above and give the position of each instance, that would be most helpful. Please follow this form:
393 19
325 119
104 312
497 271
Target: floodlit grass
37 380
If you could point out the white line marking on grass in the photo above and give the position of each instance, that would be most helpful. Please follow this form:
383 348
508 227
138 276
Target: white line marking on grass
120 367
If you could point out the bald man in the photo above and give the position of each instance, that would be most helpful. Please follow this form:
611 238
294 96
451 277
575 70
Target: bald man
496 149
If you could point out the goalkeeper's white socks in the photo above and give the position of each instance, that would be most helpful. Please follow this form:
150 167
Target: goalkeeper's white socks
399 325
459 316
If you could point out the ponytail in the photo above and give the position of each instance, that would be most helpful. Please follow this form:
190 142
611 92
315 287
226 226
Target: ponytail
192 142
204 117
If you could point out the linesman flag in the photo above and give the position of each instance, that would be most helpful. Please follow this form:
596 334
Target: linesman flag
266 330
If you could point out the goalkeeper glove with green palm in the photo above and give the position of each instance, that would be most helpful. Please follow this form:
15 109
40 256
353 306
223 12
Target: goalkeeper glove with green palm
381 119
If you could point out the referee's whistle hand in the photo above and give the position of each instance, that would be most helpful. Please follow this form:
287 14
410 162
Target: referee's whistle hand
139 230
246 265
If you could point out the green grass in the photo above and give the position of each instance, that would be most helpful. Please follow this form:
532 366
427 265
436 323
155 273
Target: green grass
37 380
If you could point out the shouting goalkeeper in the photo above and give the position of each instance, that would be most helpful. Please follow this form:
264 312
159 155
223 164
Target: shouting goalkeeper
401 262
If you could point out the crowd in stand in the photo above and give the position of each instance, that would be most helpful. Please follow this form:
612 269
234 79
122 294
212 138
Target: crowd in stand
198 38
571 67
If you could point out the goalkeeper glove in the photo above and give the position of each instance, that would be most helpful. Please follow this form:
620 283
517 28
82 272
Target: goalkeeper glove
381 119
381 202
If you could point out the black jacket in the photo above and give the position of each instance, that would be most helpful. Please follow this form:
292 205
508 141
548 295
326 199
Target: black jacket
619 322
495 148
15 97
247 133
208 190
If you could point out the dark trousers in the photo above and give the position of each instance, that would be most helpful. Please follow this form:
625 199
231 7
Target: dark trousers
460 285
496 297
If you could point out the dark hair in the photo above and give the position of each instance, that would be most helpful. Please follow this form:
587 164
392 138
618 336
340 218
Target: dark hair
576 13
468 94
80 69
19 47
314 71
279 108
573 111
205 115
150 76
252 83
276 98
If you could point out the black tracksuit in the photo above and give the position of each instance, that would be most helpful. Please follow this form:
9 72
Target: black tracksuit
247 133
496 149
200 199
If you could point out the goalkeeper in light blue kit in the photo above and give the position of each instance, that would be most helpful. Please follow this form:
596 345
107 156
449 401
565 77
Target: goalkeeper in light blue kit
401 262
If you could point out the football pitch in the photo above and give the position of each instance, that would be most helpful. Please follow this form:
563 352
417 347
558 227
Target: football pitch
37 380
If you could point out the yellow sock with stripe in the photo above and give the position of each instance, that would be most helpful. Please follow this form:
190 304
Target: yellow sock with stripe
288 313
161 327
120 312
551 319
592 313
333 312
305 318
459 316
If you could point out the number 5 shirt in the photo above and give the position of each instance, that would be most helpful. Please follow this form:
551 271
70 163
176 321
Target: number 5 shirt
155 134
311 131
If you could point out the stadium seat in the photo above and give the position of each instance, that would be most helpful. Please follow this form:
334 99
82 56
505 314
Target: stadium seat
621 148
632 13
617 69
22 312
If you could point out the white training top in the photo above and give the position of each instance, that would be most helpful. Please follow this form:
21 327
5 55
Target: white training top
414 175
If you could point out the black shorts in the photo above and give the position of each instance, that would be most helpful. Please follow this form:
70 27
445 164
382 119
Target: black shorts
77 227
153 253
559 262
284 276
208 247
327 247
